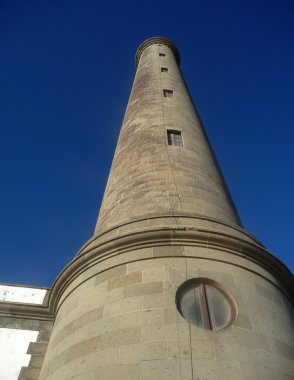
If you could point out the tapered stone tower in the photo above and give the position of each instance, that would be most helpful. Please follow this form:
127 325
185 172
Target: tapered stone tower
170 286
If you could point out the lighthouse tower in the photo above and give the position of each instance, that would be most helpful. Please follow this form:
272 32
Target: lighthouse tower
170 286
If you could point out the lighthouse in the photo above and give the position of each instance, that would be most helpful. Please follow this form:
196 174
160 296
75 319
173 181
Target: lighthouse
170 286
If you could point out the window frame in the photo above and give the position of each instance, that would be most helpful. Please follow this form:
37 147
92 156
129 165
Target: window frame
204 307
167 91
170 132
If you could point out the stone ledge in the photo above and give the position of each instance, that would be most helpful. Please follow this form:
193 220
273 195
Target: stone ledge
27 373
172 237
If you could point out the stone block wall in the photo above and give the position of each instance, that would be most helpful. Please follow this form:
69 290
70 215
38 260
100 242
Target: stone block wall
25 328
122 322
149 176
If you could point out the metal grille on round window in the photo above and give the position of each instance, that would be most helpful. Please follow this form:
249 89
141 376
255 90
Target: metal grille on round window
174 138
204 304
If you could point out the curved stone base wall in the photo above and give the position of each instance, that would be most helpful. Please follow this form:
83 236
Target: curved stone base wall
122 322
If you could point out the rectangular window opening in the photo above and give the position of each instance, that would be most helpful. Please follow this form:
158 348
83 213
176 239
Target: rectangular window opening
174 138
161 55
164 69
168 93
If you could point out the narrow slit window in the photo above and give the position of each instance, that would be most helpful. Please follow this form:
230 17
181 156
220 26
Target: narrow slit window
164 69
174 138
161 55
168 93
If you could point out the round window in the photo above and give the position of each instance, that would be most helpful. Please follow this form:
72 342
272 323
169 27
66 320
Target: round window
203 303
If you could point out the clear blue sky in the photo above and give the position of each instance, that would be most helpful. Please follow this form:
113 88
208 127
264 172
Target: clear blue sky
66 70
